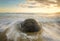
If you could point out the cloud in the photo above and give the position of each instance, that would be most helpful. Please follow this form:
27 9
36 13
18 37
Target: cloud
43 6
52 0
29 4
39 4
49 2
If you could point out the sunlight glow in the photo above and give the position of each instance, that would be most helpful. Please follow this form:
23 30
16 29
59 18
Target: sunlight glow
33 7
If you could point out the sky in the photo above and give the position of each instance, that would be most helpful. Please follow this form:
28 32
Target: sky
9 3
34 6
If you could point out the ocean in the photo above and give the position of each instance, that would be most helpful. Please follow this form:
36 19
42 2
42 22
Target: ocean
50 23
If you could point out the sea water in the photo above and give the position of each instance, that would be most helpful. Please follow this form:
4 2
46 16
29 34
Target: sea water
50 24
